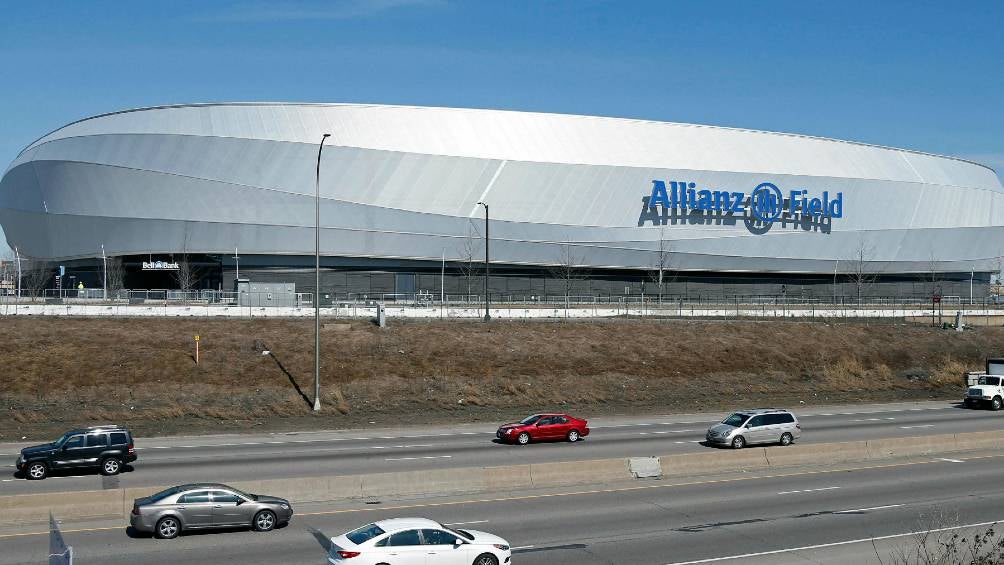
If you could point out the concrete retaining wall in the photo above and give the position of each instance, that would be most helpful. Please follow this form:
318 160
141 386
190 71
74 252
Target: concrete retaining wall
35 508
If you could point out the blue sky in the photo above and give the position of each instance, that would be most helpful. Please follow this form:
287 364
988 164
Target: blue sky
919 75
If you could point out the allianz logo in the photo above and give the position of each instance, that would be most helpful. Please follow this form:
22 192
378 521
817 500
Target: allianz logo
765 202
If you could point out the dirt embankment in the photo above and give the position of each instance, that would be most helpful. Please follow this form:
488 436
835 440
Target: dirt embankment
63 372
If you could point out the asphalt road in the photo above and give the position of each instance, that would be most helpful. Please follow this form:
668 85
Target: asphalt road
165 461
808 517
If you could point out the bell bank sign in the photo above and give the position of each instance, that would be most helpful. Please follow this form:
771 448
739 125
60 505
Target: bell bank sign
765 203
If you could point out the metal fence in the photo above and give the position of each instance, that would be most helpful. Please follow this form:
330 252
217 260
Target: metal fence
305 299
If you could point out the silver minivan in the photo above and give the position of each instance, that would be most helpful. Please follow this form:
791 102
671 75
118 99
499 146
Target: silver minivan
761 425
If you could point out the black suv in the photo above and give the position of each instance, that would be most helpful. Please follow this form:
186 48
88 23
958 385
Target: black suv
106 447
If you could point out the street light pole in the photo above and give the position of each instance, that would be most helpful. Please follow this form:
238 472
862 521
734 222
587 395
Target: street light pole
488 316
104 261
18 255
317 277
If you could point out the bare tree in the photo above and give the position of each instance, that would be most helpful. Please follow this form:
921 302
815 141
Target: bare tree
187 275
568 270
35 275
860 273
931 278
662 263
468 254
116 275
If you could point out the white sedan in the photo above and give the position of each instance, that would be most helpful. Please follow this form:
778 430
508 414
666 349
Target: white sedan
417 541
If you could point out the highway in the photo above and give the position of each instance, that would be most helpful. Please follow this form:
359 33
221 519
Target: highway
165 461
794 518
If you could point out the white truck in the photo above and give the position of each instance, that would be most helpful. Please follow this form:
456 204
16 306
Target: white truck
986 389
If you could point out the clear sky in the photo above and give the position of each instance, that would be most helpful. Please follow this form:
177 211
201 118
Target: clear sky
920 74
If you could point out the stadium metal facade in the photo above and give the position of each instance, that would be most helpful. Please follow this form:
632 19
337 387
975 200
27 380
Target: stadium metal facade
725 211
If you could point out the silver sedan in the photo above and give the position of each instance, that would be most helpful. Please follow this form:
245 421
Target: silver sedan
207 505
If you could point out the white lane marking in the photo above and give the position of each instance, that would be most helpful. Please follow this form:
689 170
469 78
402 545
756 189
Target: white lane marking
832 544
918 426
808 490
466 523
414 458
868 509
523 547
398 446
951 460
872 419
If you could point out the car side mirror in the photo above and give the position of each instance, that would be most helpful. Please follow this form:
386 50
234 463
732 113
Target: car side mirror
748 426
240 501
458 542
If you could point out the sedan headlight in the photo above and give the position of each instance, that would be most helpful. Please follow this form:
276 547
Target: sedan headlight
509 431
284 506
500 547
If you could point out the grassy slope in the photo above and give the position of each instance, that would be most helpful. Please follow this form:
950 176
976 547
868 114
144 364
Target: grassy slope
62 372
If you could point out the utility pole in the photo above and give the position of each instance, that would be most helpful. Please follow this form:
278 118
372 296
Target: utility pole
237 259
488 316
317 277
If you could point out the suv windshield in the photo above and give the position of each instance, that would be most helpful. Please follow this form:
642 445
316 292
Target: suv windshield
530 419
735 420
59 442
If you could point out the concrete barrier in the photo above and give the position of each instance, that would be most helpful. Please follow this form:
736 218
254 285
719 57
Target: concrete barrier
579 472
716 461
796 454
35 508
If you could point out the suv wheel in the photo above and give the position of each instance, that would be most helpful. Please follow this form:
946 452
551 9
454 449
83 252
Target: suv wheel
111 466
37 471
738 442
995 404
523 438
785 439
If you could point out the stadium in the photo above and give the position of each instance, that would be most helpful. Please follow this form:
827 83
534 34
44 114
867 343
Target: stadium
580 205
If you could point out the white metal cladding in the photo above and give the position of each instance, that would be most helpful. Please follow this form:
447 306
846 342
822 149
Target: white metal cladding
403 182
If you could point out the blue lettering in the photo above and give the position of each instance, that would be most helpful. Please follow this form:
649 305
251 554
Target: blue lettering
658 195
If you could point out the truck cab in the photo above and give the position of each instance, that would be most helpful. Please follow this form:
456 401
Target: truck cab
986 389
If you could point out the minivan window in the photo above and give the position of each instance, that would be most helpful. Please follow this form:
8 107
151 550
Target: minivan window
757 421
735 420
785 418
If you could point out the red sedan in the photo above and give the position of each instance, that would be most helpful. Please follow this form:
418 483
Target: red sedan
541 427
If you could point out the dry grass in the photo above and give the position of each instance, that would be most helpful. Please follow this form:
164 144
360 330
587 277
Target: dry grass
60 372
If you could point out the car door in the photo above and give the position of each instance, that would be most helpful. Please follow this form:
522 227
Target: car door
195 509
545 428
755 431
441 548
231 509
71 453
404 548
562 425
94 446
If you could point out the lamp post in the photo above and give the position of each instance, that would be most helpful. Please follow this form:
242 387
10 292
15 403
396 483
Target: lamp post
488 317
104 261
317 277
18 255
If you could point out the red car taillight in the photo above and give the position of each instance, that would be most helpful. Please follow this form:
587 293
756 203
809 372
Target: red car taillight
131 450
347 554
